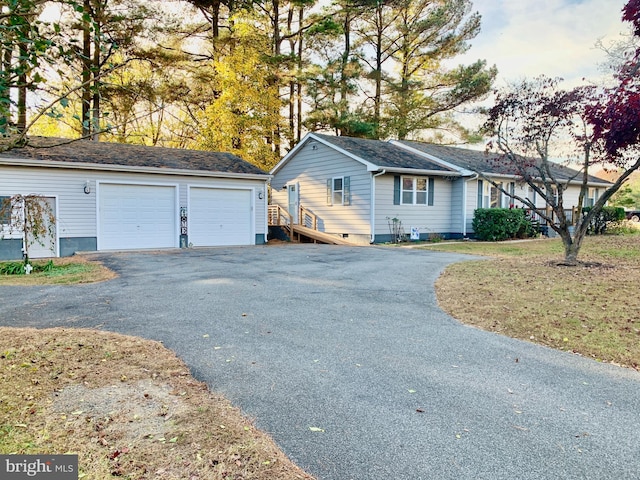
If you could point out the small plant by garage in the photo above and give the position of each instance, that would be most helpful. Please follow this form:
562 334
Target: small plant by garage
19 268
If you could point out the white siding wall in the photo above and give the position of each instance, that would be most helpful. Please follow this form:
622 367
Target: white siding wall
77 210
429 219
311 169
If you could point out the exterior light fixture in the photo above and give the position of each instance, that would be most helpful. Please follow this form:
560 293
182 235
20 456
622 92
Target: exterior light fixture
87 187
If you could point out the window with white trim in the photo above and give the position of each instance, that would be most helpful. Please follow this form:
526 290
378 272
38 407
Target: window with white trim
339 191
496 197
592 197
533 195
414 191
484 194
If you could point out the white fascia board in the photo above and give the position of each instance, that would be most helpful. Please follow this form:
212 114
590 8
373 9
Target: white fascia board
131 169
463 171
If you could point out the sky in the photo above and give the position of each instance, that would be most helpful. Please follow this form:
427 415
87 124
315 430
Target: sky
557 38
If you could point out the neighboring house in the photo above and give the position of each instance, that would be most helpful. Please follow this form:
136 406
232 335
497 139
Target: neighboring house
363 189
109 196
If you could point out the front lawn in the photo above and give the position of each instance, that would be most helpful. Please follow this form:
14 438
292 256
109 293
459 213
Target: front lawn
592 310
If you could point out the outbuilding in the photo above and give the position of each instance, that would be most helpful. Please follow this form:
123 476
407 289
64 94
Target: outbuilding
110 196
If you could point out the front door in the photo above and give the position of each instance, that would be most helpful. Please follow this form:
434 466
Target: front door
294 201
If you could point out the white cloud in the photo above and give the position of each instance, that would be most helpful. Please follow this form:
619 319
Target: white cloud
527 38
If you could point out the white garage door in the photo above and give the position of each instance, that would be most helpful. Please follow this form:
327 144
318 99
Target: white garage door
220 216
137 216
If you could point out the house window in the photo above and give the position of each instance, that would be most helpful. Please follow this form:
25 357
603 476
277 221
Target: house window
496 197
533 196
339 191
484 194
5 210
592 197
512 193
414 191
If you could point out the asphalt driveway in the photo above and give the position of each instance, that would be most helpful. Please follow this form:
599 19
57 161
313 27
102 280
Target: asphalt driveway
343 356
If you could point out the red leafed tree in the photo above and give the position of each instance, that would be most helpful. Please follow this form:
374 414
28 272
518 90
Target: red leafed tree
616 116
536 122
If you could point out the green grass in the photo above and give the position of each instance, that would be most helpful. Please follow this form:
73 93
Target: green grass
68 270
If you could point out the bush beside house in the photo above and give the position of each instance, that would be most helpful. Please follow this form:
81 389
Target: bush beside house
496 224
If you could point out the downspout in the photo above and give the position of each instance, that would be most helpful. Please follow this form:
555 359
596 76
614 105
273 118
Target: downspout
373 204
464 204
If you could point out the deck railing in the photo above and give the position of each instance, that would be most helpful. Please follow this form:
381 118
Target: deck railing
571 214
280 217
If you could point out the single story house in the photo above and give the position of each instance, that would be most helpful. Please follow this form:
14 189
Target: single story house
364 189
110 196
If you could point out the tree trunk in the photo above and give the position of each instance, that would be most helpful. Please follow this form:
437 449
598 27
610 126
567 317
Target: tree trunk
86 73
215 20
95 120
298 82
21 124
377 102
5 98
343 110
292 81
572 243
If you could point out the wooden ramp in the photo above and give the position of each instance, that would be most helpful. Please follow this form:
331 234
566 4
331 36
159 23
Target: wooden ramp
319 236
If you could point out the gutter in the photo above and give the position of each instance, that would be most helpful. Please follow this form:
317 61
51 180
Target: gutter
372 222
416 171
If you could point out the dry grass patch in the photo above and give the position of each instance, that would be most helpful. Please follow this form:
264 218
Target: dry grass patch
128 407
65 271
592 309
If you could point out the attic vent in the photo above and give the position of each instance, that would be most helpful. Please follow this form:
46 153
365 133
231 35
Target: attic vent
314 146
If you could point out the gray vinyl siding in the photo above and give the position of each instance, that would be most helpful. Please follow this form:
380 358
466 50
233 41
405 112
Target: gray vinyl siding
77 214
311 169
457 204
429 219
472 202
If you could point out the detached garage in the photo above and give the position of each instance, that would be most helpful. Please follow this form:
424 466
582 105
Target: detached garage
109 196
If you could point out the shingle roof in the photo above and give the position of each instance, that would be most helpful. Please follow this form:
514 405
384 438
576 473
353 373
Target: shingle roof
489 163
383 154
105 153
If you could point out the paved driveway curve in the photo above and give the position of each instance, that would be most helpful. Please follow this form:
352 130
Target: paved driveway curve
351 341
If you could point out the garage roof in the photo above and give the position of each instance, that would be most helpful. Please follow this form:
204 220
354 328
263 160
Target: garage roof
49 151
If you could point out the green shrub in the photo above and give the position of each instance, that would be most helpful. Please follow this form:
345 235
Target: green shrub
12 268
495 224
17 268
606 217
